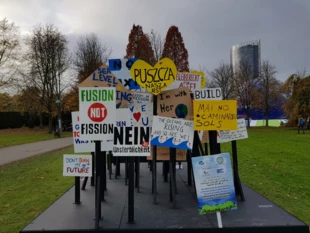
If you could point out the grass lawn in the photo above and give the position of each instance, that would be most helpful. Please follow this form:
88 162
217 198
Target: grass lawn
13 137
275 162
29 187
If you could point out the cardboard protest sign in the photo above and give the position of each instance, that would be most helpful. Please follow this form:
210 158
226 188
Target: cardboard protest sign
208 94
141 109
185 79
97 112
164 154
130 140
204 136
102 77
121 69
231 135
215 114
214 183
172 133
85 145
175 103
77 165
154 79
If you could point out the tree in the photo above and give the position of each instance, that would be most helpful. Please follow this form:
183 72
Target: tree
9 47
89 55
174 49
157 44
268 91
47 60
297 89
139 46
222 77
245 82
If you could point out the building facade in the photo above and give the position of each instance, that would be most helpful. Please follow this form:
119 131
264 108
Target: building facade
249 52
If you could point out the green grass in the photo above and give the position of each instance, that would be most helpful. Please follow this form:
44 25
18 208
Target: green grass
270 123
28 187
275 162
15 137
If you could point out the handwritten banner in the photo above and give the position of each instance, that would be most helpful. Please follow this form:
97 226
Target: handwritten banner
154 79
208 94
214 183
141 109
215 114
185 79
231 135
175 103
77 165
102 77
130 140
172 133
97 112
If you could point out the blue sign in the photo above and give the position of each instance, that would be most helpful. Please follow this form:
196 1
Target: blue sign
120 68
214 183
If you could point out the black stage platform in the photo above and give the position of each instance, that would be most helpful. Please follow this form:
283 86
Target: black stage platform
256 214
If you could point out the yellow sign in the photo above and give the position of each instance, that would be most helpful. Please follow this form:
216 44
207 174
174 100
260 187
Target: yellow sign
203 78
154 79
215 115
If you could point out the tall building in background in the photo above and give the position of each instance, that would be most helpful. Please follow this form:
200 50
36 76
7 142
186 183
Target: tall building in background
247 51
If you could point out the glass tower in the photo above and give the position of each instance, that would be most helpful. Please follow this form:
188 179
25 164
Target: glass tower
249 52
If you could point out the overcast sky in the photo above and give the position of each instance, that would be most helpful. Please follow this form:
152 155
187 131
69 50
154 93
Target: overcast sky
209 27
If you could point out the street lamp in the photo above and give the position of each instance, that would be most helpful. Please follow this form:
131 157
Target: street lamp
59 121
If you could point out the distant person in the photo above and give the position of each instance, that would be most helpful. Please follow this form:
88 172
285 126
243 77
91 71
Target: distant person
308 122
301 124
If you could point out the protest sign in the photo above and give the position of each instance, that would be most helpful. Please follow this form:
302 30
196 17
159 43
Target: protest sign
130 140
185 79
163 154
85 145
121 69
203 136
77 165
141 109
154 79
102 77
208 94
78 144
172 133
230 135
97 112
175 103
203 78
215 114
214 183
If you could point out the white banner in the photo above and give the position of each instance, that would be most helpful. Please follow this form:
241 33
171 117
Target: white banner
208 94
130 140
97 112
231 135
77 165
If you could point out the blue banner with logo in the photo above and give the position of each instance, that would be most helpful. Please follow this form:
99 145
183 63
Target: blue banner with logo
214 183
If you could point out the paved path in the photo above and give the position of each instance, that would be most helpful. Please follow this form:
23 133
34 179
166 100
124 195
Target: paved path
14 153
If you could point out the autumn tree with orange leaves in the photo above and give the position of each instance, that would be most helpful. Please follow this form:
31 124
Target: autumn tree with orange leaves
139 46
174 49
297 88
